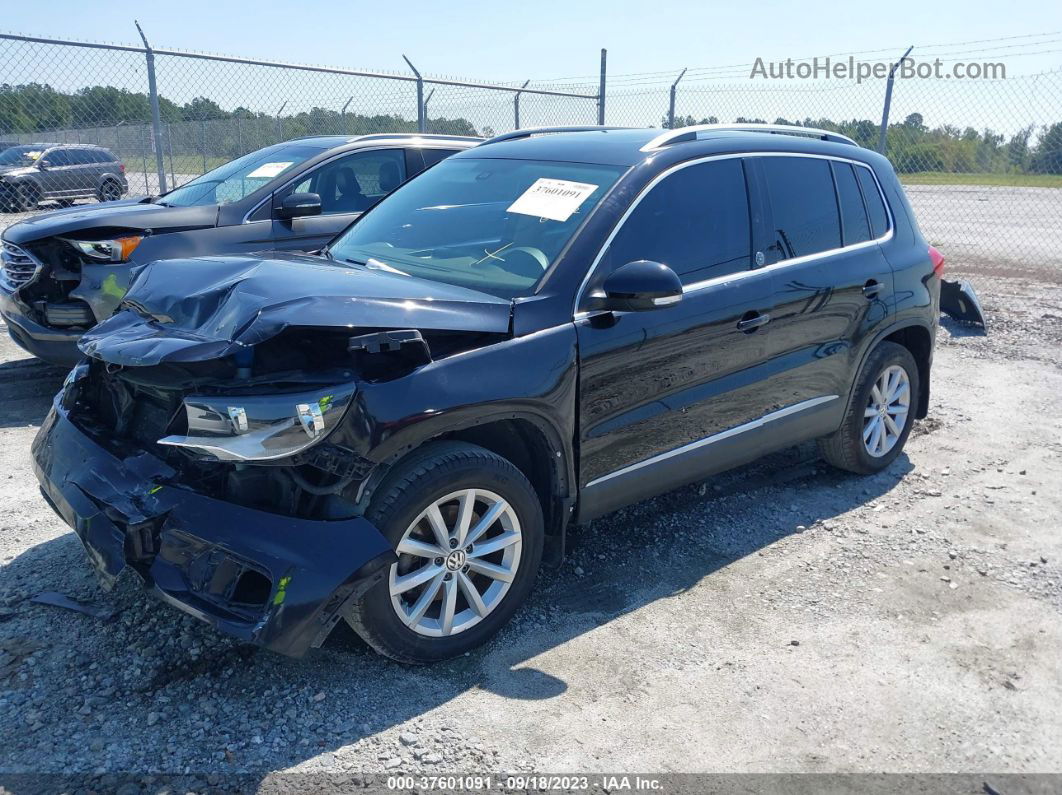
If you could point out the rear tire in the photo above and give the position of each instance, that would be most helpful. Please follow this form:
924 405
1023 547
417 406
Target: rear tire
421 502
883 402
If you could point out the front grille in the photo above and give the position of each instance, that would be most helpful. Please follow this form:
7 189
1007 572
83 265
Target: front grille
19 265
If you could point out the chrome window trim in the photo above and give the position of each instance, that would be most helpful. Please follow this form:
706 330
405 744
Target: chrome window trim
691 288
717 437
302 175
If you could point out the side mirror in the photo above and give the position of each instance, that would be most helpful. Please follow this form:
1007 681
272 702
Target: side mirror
43 165
298 205
641 285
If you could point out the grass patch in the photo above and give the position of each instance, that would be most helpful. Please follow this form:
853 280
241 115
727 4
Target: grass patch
1007 180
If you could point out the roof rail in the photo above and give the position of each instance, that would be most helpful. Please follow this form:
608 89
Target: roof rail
693 133
432 136
527 132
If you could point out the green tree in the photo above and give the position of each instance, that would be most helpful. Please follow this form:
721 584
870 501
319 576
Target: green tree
1047 157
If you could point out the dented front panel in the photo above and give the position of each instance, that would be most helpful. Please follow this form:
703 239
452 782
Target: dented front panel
273 580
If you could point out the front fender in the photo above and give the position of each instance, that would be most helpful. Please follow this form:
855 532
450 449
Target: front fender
531 378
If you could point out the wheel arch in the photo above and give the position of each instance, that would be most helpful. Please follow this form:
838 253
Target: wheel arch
916 337
530 443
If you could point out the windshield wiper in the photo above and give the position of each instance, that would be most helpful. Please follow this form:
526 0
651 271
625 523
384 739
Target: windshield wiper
374 264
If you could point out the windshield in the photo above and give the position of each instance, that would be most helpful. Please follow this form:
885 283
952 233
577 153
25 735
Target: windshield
492 225
240 177
21 155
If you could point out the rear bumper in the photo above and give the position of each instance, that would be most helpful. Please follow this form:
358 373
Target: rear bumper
57 346
275 581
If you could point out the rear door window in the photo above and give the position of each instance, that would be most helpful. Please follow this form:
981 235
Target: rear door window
803 207
855 228
696 221
879 218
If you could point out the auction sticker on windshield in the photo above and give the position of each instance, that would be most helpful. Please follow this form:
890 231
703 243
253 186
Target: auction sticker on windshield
268 170
555 199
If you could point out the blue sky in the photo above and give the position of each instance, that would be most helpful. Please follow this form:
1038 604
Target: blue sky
545 38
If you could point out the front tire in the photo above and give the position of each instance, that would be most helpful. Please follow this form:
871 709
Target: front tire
27 198
879 418
110 191
467 527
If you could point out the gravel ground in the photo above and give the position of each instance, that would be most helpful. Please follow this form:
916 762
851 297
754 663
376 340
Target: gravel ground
780 618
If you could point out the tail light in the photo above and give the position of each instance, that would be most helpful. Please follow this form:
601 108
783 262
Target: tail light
121 167
938 261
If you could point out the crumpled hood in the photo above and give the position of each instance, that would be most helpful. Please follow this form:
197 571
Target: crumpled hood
127 214
209 307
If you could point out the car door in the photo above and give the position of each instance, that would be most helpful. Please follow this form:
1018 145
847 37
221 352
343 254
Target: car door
670 394
832 284
348 185
55 173
84 171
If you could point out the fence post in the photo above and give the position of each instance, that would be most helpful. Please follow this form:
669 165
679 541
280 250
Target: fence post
343 118
421 121
601 89
427 118
169 145
280 123
156 116
516 106
671 104
143 156
883 133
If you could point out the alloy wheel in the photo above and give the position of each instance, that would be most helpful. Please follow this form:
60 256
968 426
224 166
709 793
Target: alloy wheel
885 415
456 562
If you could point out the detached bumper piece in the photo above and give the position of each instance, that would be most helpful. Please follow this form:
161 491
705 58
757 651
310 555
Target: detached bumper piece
959 300
276 581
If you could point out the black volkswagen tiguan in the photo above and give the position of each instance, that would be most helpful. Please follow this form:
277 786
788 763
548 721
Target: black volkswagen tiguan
66 270
531 334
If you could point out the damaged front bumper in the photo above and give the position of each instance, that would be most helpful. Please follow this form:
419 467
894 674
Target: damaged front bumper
54 345
959 300
279 582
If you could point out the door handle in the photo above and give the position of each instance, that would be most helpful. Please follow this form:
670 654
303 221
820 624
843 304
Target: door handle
872 288
752 322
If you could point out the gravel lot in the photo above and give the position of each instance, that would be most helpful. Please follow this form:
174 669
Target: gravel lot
780 618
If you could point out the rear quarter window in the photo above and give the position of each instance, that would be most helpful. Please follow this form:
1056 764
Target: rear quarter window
879 217
855 225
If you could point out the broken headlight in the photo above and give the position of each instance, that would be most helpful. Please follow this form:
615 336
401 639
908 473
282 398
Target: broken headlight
261 427
117 250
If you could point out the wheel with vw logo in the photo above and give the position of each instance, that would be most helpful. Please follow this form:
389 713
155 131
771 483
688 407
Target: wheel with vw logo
467 528
880 414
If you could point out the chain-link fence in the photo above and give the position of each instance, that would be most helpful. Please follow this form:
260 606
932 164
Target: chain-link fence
166 116
981 158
